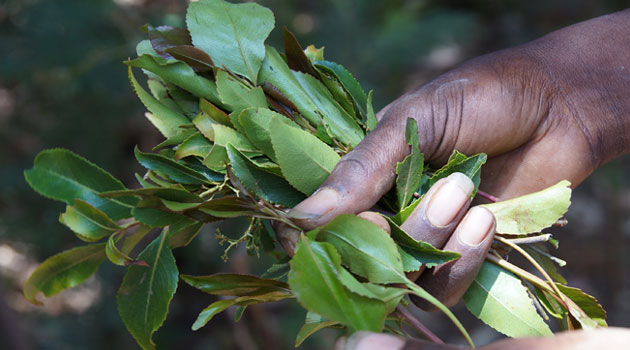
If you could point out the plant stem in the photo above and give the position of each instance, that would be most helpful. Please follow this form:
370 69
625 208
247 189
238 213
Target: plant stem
487 196
530 240
533 262
417 325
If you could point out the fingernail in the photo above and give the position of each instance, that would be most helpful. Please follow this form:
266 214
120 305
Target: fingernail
475 226
320 203
373 341
449 199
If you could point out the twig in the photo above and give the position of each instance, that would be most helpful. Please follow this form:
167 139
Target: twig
487 196
417 325
530 240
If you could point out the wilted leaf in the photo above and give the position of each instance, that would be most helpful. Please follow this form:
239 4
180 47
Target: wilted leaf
296 58
238 33
313 280
314 54
499 299
146 292
305 161
62 175
89 223
532 212
64 270
192 56
165 37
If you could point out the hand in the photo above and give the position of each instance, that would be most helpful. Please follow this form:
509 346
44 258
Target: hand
607 338
553 109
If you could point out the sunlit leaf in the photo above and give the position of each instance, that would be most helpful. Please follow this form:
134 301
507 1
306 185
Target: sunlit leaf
409 171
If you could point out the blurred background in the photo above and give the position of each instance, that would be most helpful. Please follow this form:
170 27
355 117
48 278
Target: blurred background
63 84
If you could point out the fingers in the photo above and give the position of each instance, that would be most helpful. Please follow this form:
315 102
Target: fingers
359 179
375 341
472 239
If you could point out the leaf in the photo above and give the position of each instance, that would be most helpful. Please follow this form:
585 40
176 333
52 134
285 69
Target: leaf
314 54
211 115
238 33
64 270
236 95
313 280
312 324
146 292
459 162
305 161
349 83
154 217
165 37
256 123
371 120
498 298
170 193
532 212
235 284
113 253
89 223
181 235
310 97
409 171
371 254
229 206
62 175
296 58
262 183
192 56
208 313
544 260
178 73
195 145
224 135
391 296
414 253
586 302
175 171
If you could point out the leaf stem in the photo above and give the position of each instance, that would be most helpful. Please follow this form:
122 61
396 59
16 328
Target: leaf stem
417 325
487 196
533 262
530 240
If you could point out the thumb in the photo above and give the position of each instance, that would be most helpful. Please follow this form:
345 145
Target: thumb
359 179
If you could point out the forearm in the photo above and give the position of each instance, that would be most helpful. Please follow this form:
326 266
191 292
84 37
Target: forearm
589 70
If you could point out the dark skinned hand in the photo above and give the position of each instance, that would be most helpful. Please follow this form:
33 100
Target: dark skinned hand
553 109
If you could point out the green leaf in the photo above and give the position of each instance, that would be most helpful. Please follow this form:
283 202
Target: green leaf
256 123
312 324
170 193
349 83
498 298
391 296
232 34
222 135
175 171
371 254
228 207
208 313
154 217
235 284
371 120
181 235
64 270
146 292
305 161
89 223
414 253
195 145
311 98
262 183
62 175
544 260
532 212
236 95
211 115
409 171
314 281
586 302
459 162
164 37
314 54
165 119
113 253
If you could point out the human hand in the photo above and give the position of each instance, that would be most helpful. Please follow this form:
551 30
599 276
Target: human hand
553 109
607 338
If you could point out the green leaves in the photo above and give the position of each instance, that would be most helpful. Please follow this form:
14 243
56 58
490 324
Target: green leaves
89 223
62 175
171 168
532 212
236 95
146 292
499 299
236 285
313 280
64 270
305 161
262 183
409 171
238 33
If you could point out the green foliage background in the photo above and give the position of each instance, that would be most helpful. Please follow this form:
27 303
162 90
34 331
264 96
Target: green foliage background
63 84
